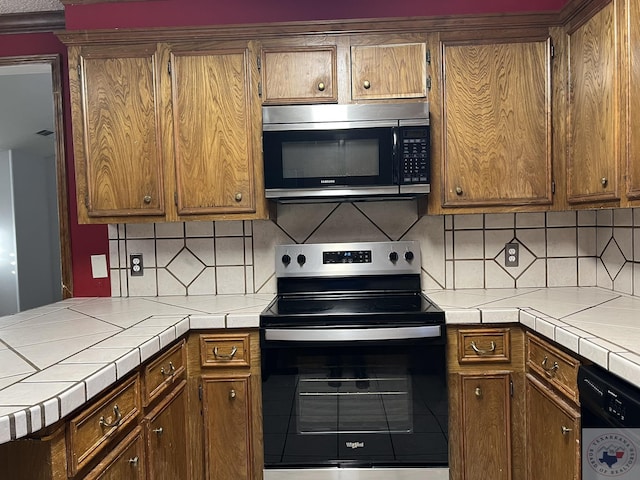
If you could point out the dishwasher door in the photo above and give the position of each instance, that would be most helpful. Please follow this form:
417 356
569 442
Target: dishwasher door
610 409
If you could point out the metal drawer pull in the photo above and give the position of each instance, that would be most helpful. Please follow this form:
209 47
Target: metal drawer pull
478 392
321 86
551 371
232 394
134 461
492 348
170 371
565 430
116 422
366 84
158 430
225 356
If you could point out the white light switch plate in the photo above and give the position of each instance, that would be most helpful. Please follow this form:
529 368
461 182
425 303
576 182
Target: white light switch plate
99 266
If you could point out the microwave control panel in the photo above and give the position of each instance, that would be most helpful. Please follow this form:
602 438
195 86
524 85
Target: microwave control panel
414 155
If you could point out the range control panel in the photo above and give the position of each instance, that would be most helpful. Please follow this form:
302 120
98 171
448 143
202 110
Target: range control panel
361 258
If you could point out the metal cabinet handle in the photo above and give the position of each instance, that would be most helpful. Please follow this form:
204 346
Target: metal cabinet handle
170 371
565 430
232 394
134 461
321 86
478 392
225 356
158 431
367 84
604 181
459 190
147 199
550 371
478 351
116 421
238 197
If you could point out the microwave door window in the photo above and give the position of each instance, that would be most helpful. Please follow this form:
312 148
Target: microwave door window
331 159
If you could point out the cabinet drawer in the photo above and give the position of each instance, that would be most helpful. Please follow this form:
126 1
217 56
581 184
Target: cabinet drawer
125 462
91 431
555 366
225 350
487 345
160 374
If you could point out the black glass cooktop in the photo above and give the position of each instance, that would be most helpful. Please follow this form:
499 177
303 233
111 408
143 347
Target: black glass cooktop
348 309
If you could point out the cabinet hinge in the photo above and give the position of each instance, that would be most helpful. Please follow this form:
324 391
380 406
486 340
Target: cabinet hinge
259 62
169 67
511 387
260 89
552 49
175 198
200 392
429 82
553 187
79 68
86 201
428 57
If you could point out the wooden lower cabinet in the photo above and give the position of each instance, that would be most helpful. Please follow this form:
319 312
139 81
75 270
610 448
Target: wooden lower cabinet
166 432
226 410
552 433
485 417
125 462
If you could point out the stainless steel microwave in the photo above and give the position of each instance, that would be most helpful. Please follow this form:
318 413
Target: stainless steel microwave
350 151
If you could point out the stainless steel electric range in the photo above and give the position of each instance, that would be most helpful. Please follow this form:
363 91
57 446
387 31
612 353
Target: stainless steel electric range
353 366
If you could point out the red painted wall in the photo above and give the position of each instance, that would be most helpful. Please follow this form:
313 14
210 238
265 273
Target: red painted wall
162 13
86 240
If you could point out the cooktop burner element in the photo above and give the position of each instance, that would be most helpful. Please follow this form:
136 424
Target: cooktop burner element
334 284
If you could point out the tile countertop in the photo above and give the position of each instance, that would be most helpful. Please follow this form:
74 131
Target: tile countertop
55 358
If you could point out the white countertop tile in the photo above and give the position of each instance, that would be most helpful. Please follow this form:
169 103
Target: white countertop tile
28 394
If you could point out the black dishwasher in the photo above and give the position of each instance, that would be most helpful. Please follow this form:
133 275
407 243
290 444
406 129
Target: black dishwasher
610 409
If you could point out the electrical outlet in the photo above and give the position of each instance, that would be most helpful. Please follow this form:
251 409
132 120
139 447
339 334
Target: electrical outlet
135 265
511 254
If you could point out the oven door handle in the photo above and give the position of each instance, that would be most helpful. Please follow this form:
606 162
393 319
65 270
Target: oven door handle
351 334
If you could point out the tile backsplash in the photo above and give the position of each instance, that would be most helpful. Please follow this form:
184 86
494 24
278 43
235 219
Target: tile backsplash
584 248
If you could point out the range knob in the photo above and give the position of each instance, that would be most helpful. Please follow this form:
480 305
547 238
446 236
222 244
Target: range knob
393 256
408 255
286 259
301 259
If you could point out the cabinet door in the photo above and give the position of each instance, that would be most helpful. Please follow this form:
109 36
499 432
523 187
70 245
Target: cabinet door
216 129
389 71
125 462
299 75
116 131
226 410
552 434
167 437
633 98
593 152
497 124
485 413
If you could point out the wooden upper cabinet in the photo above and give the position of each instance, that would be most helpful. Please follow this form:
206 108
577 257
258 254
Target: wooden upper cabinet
389 71
496 115
593 106
299 75
117 144
633 100
216 129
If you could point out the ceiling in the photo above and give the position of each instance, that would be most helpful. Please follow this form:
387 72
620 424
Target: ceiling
24 6
26 107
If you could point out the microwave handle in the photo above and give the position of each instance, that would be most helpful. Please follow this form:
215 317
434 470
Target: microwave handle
397 156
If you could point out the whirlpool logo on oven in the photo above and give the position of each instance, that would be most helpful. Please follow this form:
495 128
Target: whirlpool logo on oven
611 454
354 445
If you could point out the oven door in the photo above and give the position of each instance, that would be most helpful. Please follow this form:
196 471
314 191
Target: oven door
362 402
353 161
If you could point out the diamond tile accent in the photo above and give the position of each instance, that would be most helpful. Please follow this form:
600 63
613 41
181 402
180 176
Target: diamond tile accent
185 266
613 259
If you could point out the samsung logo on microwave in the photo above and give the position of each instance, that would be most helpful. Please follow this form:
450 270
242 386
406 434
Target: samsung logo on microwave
327 180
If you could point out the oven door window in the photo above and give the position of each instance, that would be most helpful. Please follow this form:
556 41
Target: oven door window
324 158
348 406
